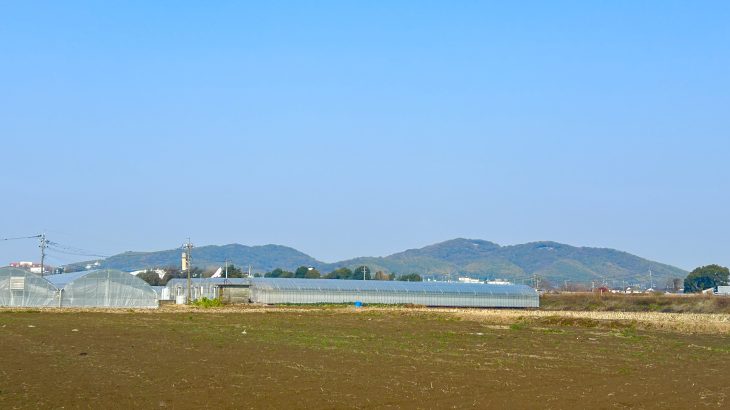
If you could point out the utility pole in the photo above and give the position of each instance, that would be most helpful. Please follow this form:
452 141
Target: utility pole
226 268
188 249
43 245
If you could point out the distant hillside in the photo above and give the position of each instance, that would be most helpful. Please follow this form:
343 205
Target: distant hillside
262 258
552 261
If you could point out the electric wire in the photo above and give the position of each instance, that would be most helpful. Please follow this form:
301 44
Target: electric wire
20 237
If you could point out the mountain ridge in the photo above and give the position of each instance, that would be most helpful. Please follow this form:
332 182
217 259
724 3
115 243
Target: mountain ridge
553 262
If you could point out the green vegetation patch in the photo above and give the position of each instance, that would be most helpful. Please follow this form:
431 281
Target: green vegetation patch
208 303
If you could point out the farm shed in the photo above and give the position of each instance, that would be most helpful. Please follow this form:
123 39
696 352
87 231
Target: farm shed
275 291
104 288
201 287
233 293
19 287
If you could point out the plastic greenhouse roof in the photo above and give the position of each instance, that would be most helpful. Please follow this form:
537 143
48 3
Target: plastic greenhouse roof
216 281
63 279
339 285
18 271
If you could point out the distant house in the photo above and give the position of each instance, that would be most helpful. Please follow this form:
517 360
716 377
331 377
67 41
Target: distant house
159 272
31 267
498 282
723 290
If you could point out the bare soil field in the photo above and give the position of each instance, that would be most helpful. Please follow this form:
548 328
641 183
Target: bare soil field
361 358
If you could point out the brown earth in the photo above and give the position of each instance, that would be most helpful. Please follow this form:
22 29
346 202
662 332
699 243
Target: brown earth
367 358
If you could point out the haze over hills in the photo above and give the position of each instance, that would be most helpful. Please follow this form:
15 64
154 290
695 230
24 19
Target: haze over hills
262 258
554 262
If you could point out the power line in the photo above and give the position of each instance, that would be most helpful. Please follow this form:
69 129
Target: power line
70 250
77 253
21 237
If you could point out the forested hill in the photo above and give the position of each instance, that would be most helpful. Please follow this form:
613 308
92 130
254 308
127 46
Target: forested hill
263 258
554 262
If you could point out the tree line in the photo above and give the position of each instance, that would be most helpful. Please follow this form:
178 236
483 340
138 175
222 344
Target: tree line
702 278
303 272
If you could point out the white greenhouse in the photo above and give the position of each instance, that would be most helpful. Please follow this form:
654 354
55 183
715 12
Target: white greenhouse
104 288
447 294
21 288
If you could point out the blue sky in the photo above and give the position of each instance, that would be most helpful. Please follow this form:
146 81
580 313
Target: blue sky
346 129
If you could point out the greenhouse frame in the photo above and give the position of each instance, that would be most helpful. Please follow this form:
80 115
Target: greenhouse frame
20 288
103 288
444 294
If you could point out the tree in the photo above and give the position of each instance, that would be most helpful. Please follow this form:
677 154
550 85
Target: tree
361 273
233 272
306 272
279 273
706 277
341 273
195 272
301 272
677 284
209 272
674 284
412 277
172 273
380 275
151 277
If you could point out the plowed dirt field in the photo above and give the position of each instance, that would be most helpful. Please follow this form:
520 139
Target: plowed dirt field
346 358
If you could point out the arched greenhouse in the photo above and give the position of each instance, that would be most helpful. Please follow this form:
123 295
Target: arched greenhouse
21 288
298 291
104 288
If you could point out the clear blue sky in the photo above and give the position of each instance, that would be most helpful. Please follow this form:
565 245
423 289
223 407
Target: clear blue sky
364 128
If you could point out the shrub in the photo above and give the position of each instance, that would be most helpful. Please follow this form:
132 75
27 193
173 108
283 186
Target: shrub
208 303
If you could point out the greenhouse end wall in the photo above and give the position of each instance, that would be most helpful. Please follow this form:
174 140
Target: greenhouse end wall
308 291
20 288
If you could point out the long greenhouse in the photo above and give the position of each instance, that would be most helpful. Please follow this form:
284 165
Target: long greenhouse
20 288
303 291
103 288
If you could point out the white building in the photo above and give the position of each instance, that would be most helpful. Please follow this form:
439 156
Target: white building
469 280
159 272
